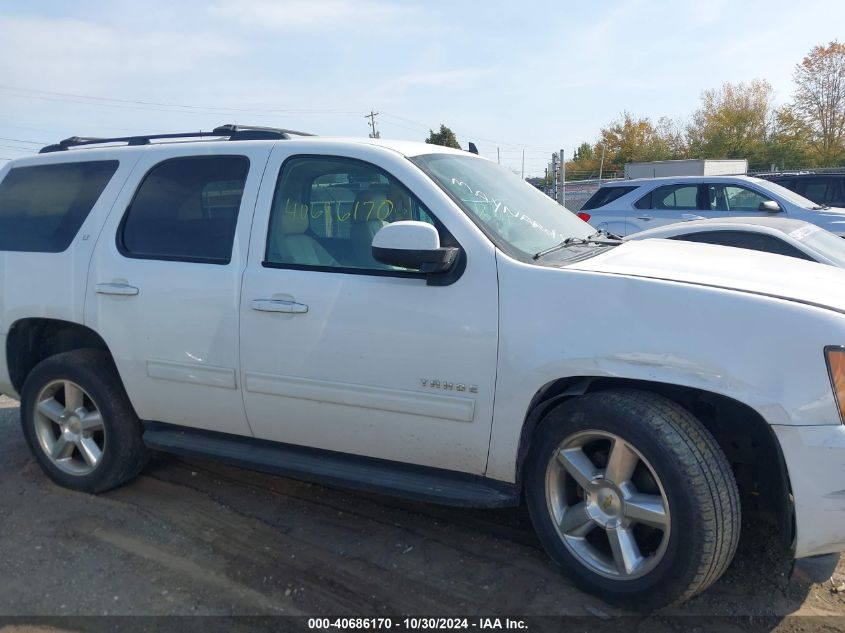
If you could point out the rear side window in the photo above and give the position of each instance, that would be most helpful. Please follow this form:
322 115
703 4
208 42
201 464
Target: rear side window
819 190
747 240
670 197
605 195
186 209
43 207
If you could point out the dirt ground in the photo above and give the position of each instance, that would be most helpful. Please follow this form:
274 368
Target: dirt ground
192 537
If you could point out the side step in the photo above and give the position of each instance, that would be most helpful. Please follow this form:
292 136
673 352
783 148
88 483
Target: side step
335 469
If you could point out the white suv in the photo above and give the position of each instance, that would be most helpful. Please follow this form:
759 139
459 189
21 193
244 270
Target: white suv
415 320
629 206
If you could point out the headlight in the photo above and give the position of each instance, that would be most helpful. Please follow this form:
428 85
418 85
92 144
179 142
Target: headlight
836 368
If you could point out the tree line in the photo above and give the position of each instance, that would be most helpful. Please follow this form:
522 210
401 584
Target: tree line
738 120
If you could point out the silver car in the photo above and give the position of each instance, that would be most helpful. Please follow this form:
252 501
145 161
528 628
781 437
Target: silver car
629 206
792 238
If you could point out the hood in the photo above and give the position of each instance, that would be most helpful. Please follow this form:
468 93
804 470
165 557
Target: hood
832 219
724 267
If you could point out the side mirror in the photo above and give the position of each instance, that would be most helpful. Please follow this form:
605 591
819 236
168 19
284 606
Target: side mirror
770 205
414 245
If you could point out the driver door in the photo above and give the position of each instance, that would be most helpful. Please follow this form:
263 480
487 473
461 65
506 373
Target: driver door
343 353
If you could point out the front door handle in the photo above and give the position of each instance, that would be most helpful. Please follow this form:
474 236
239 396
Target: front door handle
279 305
686 217
117 289
644 216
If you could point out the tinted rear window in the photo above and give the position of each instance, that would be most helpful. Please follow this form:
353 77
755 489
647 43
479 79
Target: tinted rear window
186 209
43 207
605 195
747 240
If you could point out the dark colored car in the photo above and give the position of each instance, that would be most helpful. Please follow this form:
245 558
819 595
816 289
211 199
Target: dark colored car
824 189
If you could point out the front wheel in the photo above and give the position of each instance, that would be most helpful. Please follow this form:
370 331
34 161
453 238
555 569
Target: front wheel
633 497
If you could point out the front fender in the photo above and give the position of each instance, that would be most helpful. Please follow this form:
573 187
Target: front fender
555 323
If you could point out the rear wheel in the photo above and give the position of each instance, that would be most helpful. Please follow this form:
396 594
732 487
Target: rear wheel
79 423
633 497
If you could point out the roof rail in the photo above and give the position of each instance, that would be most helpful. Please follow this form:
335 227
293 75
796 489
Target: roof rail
233 132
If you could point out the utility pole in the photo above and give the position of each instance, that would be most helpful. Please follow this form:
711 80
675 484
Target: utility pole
523 163
498 158
562 179
601 165
372 117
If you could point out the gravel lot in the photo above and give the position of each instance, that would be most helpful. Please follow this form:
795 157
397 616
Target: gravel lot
194 537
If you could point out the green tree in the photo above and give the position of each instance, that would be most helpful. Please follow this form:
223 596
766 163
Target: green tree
444 137
819 100
732 122
629 139
788 146
671 133
584 153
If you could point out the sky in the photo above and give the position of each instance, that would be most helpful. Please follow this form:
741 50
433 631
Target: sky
509 76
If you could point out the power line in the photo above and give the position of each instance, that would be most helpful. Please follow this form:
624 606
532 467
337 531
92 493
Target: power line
20 140
161 104
516 146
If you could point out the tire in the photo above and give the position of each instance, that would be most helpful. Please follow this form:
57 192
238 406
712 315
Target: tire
684 532
95 446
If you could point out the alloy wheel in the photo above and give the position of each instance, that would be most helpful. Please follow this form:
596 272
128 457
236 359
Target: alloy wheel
608 505
69 427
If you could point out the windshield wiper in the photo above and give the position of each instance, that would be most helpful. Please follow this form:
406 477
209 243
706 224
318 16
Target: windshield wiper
601 237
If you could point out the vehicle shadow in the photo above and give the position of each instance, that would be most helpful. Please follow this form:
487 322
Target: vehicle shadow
757 585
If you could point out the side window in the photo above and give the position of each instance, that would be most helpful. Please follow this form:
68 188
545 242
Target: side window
819 190
42 208
644 202
734 198
186 209
671 197
327 210
605 195
789 183
747 240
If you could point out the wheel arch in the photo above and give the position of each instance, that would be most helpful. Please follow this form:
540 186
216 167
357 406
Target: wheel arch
741 432
32 340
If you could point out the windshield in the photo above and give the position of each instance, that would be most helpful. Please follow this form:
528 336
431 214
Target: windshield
786 194
519 218
822 242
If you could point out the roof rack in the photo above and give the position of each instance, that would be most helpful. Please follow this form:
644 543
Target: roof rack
233 132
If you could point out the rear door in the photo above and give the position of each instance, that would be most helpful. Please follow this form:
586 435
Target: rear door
165 277
666 204
605 211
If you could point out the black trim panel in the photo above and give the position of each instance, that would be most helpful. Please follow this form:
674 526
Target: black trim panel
335 469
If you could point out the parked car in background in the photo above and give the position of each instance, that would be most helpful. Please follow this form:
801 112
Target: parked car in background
781 236
823 189
629 206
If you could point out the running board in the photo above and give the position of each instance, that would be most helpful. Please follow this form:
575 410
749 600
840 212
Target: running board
335 469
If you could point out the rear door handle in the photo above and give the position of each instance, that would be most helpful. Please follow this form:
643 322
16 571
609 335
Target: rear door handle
644 217
117 289
279 305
